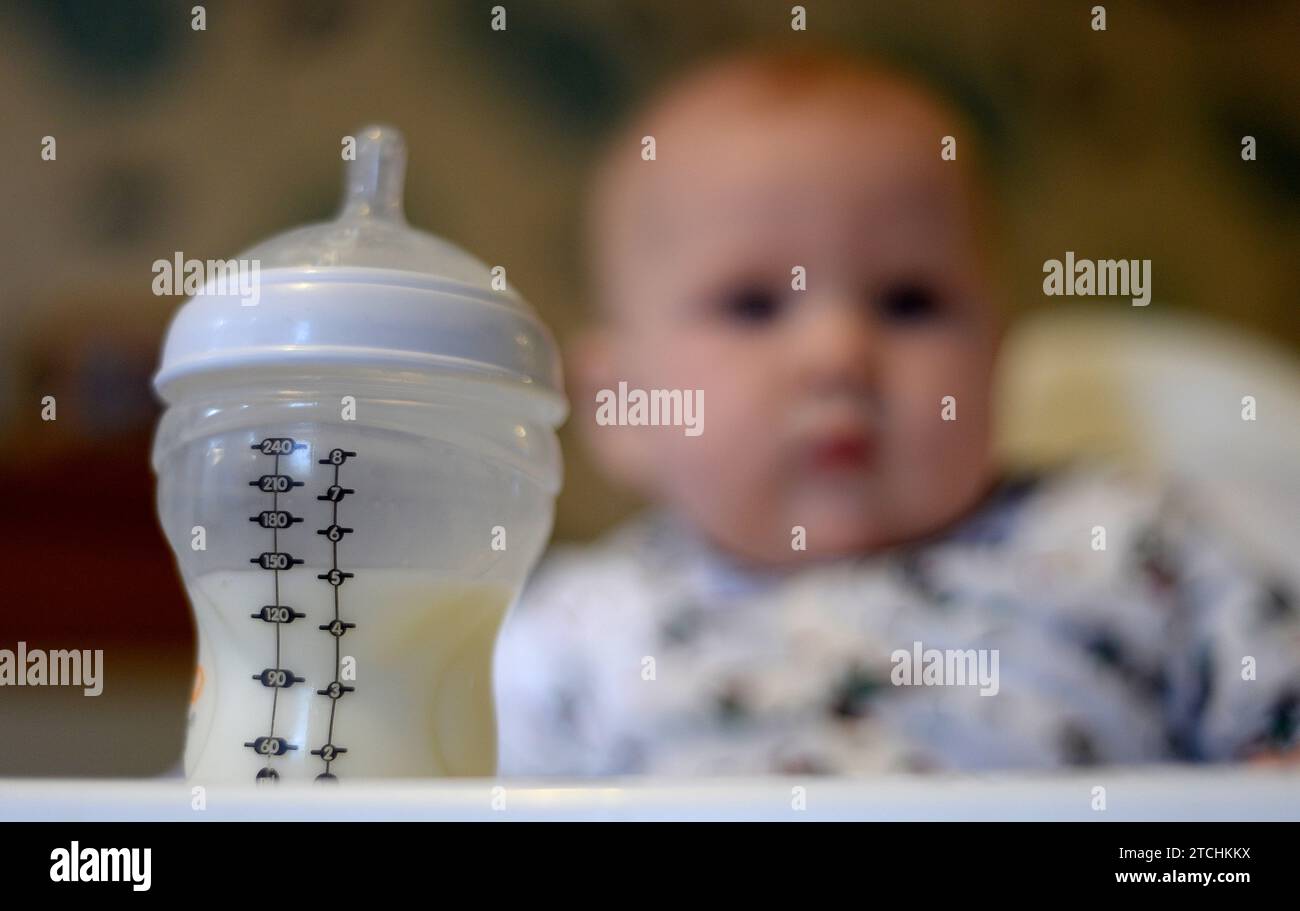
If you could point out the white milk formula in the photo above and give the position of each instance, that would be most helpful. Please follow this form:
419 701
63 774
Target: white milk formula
403 689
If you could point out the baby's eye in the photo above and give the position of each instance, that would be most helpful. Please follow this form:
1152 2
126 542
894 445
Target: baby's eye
751 304
908 302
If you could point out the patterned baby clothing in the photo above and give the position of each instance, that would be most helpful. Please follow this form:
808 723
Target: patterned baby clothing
1079 616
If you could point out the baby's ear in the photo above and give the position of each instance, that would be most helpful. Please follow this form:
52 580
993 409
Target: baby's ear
592 363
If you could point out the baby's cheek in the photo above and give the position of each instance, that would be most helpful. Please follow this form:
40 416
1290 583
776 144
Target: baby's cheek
729 460
728 473
917 401
940 417
711 485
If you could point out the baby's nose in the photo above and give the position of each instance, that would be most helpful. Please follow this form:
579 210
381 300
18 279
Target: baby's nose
837 347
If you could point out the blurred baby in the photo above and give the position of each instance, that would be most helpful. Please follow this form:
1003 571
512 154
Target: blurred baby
834 575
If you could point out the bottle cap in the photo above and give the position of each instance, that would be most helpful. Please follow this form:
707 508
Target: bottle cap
364 289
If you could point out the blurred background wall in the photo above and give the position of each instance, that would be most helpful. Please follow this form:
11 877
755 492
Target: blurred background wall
1118 143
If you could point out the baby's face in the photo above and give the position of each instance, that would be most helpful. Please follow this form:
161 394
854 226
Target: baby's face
823 408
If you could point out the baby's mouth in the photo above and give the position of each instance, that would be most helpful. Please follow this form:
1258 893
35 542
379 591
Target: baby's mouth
834 453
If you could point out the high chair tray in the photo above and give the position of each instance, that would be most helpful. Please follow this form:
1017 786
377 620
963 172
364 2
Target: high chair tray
1166 793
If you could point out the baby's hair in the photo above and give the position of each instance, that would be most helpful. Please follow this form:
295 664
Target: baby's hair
763 79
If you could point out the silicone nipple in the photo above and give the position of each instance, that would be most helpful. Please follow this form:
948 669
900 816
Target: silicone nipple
371 231
374 181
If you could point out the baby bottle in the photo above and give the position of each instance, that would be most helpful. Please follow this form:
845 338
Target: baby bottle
357 468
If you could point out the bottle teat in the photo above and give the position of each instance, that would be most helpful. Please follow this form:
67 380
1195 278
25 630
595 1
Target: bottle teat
375 179
371 231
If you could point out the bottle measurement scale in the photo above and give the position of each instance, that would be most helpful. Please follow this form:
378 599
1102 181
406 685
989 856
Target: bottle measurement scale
276 561
337 627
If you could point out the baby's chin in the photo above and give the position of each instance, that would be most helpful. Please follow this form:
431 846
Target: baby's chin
850 515
835 536
854 527
811 539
